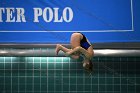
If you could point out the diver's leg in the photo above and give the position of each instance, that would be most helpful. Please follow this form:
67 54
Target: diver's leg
82 50
64 49
60 47
75 40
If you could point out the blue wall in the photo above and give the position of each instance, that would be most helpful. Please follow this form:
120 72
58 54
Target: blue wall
99 20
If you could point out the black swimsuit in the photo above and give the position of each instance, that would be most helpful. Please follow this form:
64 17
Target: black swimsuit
83 43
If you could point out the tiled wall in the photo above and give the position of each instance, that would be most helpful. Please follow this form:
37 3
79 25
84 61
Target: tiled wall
64 75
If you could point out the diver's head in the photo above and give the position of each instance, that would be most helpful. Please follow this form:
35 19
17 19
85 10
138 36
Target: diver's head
88 65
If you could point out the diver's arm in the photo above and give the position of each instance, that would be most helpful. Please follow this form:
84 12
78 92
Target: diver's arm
80 49
74 57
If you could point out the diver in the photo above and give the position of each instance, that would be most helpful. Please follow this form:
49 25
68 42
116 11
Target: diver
80 46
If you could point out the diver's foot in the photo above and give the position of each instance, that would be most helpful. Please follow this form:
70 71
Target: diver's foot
57 49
